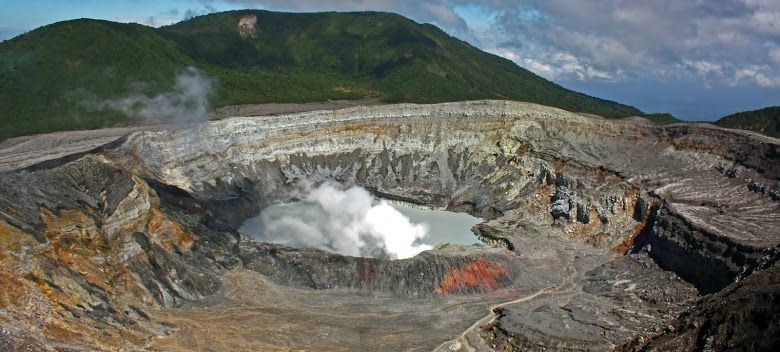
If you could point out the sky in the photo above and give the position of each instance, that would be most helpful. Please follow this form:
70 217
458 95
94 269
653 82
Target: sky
696 59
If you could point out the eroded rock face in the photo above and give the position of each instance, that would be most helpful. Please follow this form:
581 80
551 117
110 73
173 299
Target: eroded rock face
601 233
247 25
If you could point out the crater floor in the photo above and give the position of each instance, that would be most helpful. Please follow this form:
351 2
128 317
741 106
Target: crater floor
602 234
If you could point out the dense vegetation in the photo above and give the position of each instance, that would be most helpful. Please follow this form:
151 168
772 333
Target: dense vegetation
49 76
766 121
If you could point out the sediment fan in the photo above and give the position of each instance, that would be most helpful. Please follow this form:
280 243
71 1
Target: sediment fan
603 234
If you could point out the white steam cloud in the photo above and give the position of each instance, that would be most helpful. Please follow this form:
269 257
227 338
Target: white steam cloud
346 221
188 102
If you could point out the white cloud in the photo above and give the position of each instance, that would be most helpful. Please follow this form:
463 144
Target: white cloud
774 55
556 65
614 39
757 75
704 68
443 15
766 22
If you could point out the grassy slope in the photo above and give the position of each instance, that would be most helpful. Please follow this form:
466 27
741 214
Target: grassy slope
47 75
766 121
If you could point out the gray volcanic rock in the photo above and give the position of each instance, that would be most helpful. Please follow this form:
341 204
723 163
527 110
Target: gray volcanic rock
743 316
600 234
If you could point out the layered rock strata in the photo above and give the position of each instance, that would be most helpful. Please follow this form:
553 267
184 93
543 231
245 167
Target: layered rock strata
602 234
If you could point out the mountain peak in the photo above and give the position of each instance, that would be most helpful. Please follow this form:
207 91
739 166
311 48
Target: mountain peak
257 56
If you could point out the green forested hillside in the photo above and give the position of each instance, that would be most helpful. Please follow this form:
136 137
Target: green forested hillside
766 121
48 76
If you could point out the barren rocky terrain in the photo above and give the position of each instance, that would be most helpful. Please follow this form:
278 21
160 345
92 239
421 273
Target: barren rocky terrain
599 234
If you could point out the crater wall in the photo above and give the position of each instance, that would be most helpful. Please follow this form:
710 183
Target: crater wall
102 232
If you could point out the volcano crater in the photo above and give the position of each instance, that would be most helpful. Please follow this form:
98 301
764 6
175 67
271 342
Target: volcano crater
600 234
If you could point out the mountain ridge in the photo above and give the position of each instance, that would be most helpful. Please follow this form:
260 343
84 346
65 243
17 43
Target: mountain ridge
257 56
765 120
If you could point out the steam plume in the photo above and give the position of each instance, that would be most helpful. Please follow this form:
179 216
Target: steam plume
188 102
346 221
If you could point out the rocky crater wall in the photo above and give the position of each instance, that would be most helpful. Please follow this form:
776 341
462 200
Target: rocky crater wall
150 219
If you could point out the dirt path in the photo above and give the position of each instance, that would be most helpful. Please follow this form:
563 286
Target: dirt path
461 342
